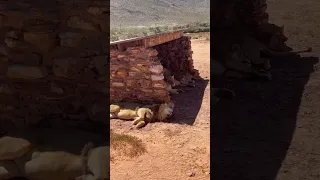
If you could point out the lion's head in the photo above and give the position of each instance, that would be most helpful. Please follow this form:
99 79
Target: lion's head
165 111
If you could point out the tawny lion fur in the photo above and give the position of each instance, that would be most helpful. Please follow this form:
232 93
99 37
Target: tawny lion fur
141 114
171 82
95 162
186 79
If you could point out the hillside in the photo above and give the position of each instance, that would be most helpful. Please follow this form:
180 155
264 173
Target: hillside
161 12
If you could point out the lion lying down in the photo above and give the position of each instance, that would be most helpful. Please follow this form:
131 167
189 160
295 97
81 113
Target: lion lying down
141 114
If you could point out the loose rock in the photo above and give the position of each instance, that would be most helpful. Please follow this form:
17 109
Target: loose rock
12 147
26 72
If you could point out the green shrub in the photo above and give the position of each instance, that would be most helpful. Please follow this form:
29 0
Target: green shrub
121 33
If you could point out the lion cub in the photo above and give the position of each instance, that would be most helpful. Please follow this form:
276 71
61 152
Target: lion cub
168 77
171 82
185 79
238 62
141 114
253 49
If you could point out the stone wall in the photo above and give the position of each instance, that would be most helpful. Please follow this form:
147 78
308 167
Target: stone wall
136 74
232 22
233 19
177 56
239 13
53 61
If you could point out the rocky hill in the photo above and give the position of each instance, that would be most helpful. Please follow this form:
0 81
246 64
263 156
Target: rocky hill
160 12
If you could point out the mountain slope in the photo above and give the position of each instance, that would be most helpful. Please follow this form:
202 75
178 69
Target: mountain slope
149 12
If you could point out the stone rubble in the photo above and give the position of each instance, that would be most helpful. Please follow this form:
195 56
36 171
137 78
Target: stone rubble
52 55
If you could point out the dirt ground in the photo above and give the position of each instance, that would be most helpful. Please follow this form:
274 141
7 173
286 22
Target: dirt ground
178 150
271 130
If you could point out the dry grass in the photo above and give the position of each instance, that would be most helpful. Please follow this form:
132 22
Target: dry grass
200 35
126 145
121 33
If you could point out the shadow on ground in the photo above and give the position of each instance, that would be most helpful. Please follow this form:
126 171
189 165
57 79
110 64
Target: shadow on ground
188 103
250 134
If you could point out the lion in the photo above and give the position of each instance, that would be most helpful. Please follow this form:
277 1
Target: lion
95 162
273 36
171 82
187 80
237 61
168 77
179 78
141 114
171 90
253 49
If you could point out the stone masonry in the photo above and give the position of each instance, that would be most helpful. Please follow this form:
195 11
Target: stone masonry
234 18
53 61
136 74
177 56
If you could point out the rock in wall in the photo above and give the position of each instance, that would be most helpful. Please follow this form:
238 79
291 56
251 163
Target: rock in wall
239 13
136 75
232 19
53 61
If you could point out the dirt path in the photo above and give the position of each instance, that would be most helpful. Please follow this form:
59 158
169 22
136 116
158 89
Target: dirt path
178 150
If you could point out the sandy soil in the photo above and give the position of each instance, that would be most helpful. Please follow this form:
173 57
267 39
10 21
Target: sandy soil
178 150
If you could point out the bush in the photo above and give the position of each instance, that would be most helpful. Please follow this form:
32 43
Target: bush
121 33
126 145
